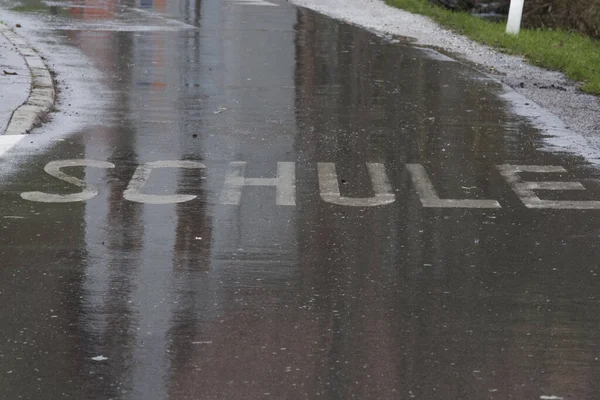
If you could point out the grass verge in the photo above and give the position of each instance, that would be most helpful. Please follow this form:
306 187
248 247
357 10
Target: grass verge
29 8
576 55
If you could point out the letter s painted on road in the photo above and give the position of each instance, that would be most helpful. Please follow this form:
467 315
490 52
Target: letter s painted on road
53 169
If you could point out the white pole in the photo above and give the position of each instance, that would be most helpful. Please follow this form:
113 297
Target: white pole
515 14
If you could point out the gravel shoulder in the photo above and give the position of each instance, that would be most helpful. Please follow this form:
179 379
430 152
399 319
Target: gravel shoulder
577 112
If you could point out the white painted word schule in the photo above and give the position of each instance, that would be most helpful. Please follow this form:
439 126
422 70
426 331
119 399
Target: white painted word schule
285 186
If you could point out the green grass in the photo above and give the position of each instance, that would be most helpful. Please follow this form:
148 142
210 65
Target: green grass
30 8
576 55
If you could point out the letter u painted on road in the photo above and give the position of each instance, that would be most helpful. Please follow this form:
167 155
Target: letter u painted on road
330 189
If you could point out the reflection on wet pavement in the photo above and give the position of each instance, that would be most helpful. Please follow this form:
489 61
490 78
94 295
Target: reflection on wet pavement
116 299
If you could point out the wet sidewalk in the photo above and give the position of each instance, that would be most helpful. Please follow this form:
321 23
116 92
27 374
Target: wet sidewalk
15 81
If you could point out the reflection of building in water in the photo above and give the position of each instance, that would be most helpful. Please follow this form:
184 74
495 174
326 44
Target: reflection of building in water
93 9
143 285
184 10
231 343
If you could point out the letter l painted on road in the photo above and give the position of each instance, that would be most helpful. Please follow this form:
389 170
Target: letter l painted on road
430 198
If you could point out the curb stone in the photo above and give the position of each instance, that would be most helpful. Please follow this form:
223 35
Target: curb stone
42 94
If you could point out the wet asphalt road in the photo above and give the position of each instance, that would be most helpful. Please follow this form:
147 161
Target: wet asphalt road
338 280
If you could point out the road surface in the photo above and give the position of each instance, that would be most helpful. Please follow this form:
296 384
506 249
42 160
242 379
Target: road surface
256 201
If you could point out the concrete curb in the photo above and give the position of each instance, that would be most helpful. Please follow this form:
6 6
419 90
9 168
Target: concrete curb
42 94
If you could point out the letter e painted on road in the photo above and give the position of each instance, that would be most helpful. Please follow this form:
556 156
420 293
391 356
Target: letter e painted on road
235 180
430 198
53 169
526 190
142 174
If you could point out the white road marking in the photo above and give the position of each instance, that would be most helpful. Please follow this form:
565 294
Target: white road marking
285 183
330 189
255 3
430 198
525 189
53 169
142 174
7 142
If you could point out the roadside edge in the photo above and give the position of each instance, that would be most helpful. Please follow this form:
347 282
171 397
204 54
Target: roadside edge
42 94
577 112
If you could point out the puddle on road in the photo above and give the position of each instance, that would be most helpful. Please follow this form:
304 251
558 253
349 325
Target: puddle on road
201 300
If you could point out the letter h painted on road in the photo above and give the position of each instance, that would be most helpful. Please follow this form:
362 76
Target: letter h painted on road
285 183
